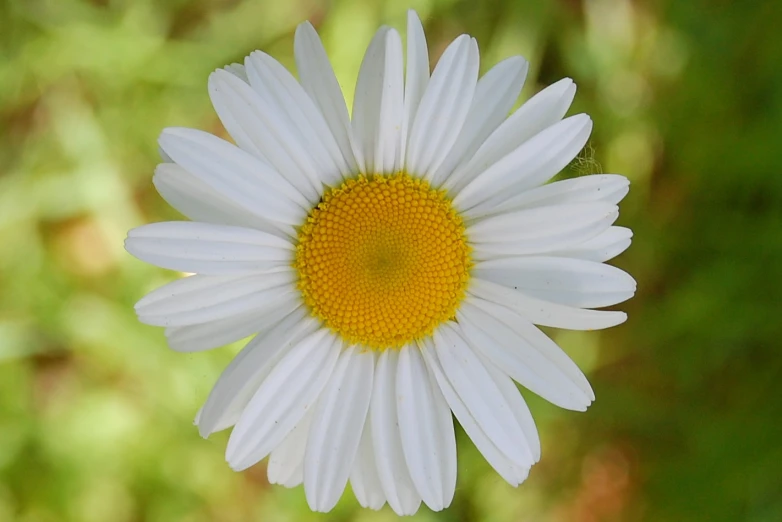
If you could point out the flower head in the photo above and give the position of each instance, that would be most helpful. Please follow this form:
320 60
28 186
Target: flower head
391 266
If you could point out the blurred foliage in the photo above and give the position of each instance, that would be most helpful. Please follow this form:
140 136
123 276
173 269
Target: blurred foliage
96 412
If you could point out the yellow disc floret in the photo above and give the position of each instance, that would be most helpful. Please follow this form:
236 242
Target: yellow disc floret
382 261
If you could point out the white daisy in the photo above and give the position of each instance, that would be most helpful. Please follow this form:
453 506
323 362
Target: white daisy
391 266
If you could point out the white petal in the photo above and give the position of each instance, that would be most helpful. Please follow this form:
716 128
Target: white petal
532 163
609 188
443 108
540 230
261 127
241 378
286 461
476 389
200 299
285 395
518 406
336 429
525 353
318 79
364 479
208 249
416 77
563 280
539 112
542 312
509 471
237 69
163 156
495 94
236 175
379 102
199 202
606 245
278 86
426 427
213 334
239 124
398 487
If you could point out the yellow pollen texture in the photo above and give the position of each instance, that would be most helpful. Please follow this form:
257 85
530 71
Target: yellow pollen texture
383 260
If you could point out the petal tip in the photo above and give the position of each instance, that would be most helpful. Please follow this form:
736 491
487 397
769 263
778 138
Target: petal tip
307 26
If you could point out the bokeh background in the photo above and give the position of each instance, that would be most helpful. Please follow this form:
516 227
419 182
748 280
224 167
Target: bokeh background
95 411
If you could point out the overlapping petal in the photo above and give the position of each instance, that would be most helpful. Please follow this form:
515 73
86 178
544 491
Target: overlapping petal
335 434
509 470
379 104
443 108
236 175
564 280
533 163
287 392
428 440
545 313
398 487
204 248
197 201
540 230
494 96
201 299
364 477
540 112
240 380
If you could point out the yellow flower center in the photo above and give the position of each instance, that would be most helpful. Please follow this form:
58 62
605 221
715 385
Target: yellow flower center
382 261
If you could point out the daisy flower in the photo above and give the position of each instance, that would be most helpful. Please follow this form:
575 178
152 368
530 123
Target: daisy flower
391 265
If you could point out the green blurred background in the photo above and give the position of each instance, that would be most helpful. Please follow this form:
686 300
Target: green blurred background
96 413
